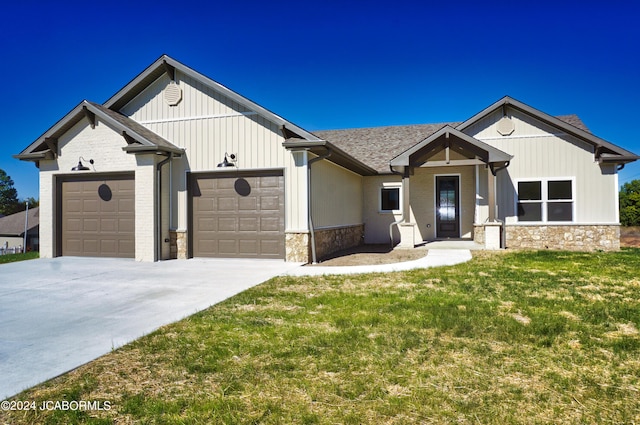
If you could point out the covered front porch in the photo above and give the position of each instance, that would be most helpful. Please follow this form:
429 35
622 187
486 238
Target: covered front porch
448 190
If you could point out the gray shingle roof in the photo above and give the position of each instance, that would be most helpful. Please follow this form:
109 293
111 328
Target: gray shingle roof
376 146
13 225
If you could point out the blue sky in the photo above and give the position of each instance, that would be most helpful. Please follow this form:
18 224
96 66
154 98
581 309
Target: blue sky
330 64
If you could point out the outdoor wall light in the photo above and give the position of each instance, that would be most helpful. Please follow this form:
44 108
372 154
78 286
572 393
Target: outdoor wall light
226 162
81 167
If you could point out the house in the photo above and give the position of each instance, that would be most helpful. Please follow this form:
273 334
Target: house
175 165
12 228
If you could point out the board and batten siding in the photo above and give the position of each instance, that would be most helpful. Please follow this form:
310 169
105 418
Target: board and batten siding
544 152
336 195
207 125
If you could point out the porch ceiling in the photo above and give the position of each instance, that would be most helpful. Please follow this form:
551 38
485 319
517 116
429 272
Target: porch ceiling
459 149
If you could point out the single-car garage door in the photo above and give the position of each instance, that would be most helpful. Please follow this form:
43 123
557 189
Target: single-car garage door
237 214
97 216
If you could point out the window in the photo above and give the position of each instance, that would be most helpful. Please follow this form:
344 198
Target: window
545 200
389 199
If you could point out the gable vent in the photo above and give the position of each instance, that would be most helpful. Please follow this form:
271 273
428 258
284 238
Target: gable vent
505 126
172 94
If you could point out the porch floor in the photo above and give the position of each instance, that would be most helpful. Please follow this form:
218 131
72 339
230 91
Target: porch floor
451 244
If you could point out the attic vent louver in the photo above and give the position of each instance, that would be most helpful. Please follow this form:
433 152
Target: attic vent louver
505 126
172 94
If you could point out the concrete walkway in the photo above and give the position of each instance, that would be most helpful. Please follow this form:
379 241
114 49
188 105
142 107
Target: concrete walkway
434 258
57 314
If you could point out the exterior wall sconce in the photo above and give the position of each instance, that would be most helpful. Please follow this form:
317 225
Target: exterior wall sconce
226 162
81 167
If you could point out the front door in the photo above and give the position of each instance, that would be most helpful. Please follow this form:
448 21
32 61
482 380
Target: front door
447 206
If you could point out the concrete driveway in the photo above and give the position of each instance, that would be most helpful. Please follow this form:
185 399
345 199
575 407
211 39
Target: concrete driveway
57 314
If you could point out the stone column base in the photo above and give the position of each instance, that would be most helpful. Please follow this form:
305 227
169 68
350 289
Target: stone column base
178 244
492 236
297 247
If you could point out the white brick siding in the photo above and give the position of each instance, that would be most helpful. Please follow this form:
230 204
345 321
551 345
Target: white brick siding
104 146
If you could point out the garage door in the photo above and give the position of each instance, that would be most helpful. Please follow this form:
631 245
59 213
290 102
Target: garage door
237 215
98 216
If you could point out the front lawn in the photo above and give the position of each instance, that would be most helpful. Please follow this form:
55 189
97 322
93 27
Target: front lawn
508 338
10 258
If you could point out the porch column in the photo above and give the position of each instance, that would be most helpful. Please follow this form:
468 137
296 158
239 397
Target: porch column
406 228
491 183
492 228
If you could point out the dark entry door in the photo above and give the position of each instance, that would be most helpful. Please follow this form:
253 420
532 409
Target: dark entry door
447 206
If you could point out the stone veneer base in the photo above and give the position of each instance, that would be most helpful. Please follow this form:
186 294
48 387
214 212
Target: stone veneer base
297 247
605 237
178 244
336 239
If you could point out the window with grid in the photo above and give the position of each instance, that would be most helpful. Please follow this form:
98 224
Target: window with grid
545 200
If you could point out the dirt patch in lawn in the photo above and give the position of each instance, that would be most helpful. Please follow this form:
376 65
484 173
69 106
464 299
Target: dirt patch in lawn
371 255
630 237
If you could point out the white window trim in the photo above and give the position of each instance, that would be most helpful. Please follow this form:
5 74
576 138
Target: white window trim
386 185
544 182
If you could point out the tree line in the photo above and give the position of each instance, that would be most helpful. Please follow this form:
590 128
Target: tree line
9 202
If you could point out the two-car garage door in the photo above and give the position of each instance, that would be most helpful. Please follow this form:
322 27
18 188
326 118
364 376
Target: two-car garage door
237 214
231 215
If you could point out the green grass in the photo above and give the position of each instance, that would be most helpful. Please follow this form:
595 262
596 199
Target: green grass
10 258
508 338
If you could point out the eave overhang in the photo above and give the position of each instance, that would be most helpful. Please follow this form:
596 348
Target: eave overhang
602 148
35 156
139 139
444 138
338 156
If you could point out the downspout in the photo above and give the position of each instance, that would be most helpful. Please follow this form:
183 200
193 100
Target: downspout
309 204
395 223
170 192
159 206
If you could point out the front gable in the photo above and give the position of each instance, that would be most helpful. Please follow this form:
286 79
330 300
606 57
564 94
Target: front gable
206 123
511 119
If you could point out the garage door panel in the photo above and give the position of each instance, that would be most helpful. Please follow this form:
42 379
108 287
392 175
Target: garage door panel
109 225
248 247
73 225
90 225
126 225
227 246
248 224
227 204
90 246
248 204
227 224
270 203
109 246
269 247
249 213
204 206
89 206
97 216
270 224
265 182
